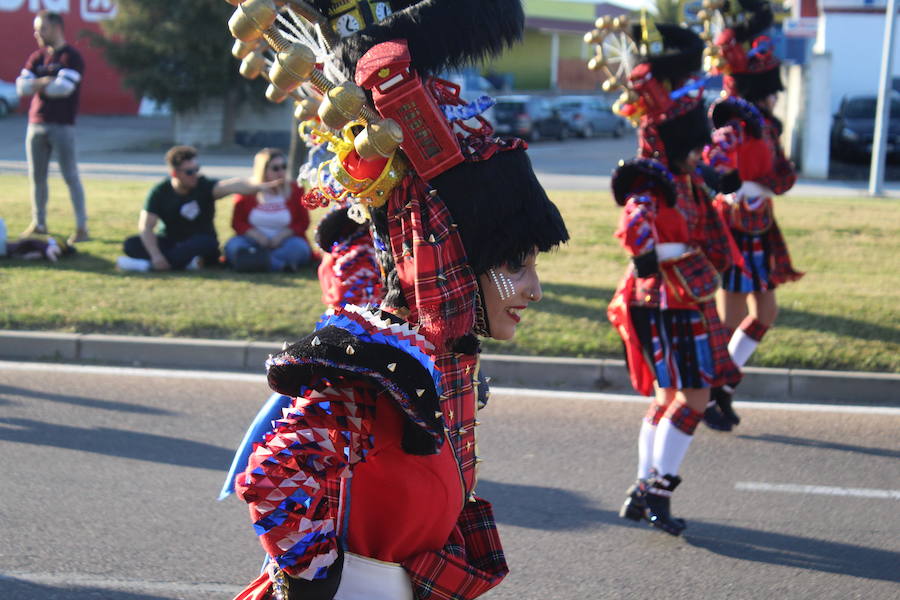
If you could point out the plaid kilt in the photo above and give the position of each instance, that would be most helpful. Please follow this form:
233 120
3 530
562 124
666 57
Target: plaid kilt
767 262
685 349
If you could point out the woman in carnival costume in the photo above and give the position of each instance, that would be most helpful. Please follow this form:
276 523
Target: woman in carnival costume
664 307
365 487
747 152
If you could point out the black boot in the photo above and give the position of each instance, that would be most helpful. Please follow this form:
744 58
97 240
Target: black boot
635 507
722 396
658 497
714 418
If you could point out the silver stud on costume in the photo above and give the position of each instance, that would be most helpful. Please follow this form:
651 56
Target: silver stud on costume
503 283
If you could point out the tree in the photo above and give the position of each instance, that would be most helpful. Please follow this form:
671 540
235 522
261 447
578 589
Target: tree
177 52
669 11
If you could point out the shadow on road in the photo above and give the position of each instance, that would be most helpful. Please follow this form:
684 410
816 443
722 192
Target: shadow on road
794 551
17 589
10 390
118 442
810 443
546 508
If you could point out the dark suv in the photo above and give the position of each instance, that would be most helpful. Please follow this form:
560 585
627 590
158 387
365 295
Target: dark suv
853 127
529 117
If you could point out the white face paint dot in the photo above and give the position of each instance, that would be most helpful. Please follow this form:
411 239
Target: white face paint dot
503 283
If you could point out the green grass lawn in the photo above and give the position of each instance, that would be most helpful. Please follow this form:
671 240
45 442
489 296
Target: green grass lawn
842 315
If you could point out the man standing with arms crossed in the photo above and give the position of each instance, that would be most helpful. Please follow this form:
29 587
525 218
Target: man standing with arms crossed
52 76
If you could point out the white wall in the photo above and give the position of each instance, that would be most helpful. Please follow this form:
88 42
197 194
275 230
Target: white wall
854 41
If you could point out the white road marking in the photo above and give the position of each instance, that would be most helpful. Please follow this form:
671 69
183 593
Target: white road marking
495 390
820 490
78 580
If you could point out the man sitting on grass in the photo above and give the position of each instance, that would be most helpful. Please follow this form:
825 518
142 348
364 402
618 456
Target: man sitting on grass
176 224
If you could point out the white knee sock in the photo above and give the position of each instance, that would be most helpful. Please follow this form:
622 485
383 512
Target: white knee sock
741 347
645 449
669 447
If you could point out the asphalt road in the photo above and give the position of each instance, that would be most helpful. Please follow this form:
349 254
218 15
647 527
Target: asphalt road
132 147
111 477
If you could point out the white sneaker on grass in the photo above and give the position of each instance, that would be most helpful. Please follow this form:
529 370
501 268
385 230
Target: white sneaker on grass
196 263
126 263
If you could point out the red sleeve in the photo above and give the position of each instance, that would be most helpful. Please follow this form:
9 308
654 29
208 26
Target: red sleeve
240 217
721 154
299 214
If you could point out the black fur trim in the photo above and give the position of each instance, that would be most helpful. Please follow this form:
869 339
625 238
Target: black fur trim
756 86
684 133
761 19
726 109
501 209
334 227
682 56
625 176
442 34
328 358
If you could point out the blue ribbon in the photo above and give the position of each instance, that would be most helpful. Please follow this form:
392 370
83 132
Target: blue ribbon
467 111
688 88
259 427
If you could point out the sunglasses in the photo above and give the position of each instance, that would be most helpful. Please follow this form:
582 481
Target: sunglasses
278 167
191 172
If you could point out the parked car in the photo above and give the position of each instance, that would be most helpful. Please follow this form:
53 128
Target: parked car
587 116
529 117
9 99
853 127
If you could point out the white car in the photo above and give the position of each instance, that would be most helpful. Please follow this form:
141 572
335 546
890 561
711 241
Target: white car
9 99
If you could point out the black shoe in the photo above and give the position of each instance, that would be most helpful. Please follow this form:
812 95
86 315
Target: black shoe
251 260
659 499
722 398
714 418
635 507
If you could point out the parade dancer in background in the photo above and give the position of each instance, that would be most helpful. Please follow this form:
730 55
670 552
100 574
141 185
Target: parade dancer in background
664 307
364 489
746 151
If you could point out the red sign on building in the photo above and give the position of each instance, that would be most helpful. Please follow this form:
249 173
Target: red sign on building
102 91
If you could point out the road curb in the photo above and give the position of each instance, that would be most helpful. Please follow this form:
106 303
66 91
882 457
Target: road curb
577 374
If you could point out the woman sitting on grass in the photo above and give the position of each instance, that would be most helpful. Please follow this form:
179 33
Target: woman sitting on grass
270 225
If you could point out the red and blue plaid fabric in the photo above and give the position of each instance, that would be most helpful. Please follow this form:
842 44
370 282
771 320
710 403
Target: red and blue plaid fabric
726 372
654 413
683 417
437 280
471 563
753 328
783 175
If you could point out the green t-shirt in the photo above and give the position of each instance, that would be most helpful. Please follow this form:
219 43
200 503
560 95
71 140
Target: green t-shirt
183 216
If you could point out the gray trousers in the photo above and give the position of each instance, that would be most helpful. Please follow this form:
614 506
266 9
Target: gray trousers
41 141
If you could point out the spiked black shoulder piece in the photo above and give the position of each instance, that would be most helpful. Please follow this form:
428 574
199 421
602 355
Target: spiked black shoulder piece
357 343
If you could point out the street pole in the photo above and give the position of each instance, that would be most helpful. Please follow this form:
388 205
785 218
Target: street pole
883 110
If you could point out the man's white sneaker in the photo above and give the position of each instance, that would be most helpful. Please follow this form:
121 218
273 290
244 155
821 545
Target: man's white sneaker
126 263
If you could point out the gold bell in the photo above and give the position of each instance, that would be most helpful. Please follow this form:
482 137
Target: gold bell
379 139
292 67
241 49
252 65
251 18
275 94
306 109
342 104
